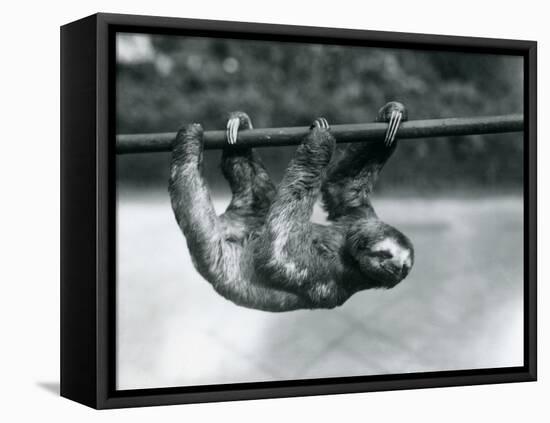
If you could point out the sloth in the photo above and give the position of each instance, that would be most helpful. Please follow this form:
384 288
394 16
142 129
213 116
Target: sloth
264 252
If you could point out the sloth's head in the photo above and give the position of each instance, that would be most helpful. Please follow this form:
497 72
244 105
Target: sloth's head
384 255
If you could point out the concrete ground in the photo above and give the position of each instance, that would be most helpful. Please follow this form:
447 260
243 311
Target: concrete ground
460 308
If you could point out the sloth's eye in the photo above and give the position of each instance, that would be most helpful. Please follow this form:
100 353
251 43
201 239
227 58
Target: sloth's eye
383 254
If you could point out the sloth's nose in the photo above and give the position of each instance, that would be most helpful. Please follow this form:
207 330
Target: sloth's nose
405 269
400 266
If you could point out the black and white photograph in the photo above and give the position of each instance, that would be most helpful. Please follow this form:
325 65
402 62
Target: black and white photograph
277 212
236 211
298 210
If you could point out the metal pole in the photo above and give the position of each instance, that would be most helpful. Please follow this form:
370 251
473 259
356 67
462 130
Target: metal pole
361 132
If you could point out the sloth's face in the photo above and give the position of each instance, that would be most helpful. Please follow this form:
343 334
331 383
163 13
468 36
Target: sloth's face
384 255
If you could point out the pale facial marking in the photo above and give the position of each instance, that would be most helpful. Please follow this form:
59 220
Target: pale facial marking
399 254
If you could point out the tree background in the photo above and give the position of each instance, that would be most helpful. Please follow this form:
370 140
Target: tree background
166 81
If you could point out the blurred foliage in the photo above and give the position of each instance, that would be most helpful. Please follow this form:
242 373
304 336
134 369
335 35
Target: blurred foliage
176 80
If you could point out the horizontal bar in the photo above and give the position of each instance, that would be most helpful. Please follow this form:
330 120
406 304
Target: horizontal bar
361 132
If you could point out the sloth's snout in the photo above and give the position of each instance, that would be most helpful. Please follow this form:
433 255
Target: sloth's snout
400 269
393 257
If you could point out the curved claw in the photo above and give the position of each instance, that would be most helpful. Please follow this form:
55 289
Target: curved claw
321 123
393 126
232 130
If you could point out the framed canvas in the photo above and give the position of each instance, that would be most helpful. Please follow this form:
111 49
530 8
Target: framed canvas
296 266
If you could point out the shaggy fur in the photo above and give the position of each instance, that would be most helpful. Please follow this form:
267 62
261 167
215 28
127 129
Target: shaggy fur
264 252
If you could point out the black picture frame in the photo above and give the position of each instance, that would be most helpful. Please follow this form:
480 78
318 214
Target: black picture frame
88 212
